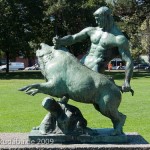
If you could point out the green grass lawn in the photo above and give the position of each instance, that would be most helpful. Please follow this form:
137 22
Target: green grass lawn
20 112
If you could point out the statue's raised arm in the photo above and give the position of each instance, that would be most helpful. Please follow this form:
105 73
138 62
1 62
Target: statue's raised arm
72 39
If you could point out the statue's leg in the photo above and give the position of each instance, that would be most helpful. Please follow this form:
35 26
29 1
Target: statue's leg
46 88
64 99
48 124
118 120
109 108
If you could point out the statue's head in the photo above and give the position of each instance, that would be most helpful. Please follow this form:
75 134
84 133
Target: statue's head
44 55
50 104
45 49
103 17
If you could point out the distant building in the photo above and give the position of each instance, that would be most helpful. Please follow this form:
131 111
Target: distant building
27 61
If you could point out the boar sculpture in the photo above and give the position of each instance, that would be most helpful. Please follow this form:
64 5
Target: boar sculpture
67 78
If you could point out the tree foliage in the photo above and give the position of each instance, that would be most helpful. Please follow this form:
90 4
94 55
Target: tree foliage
25 24
71 16
19 24
131 14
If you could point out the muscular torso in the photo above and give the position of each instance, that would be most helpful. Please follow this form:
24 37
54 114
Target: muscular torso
103 48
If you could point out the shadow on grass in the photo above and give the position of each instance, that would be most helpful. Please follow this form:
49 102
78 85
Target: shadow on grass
38 75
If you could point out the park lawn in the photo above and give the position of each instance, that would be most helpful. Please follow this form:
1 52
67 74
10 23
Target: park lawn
20 112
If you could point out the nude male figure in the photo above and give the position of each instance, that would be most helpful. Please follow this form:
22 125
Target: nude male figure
107 42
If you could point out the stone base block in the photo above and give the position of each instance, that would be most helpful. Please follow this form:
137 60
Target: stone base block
103 136
21 141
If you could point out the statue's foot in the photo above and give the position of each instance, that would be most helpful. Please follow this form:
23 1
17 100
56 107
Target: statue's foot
43 132
116 132
89 131
118 126
36 128
44 128
64 100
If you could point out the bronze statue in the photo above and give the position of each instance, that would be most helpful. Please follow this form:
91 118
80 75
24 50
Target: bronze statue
62 119
107 42
67 78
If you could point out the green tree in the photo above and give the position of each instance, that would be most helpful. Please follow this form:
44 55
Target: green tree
131 14
19 23
70 17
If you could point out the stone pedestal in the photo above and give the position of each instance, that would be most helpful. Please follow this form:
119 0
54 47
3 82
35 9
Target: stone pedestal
21 141
103 136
